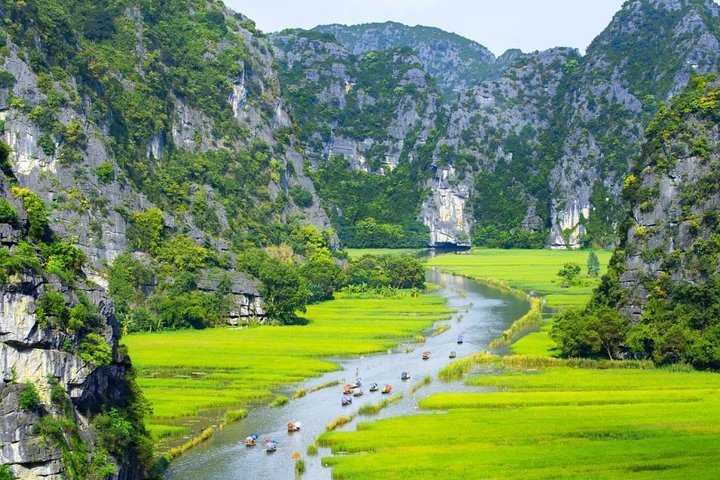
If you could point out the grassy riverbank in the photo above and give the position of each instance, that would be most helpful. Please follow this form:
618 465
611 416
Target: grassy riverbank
202 373
536 417
532 271
558 422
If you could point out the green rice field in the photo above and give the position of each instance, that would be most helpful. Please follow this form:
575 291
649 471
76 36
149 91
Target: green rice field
533 271
558 422
193 373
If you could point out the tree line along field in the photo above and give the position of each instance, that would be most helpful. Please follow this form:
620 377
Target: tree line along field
194 372
536 417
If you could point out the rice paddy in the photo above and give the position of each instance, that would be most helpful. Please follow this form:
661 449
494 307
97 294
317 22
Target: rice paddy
533 271
193 377
558 422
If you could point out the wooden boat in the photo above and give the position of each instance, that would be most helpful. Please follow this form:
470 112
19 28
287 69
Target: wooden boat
251 440
270 446
346 401
460 340
426 355
358 392
404 376
453 354
294 426
374 387
347 389
387 388
357 384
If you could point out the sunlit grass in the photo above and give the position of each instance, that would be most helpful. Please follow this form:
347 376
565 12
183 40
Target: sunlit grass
528 270
558 422
188 373
359 252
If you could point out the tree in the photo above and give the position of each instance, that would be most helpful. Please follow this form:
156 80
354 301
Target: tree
593 264
570 273
323 277
588 333
283 290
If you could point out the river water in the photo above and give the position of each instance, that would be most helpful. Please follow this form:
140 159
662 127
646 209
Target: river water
481 315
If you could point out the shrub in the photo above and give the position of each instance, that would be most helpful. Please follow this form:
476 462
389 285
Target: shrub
29 398
51 310
36 211
94 350
7 79
8 213
105 173
114 431
5 473
301 197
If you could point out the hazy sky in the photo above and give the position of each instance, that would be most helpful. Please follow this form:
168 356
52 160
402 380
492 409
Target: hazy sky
497 24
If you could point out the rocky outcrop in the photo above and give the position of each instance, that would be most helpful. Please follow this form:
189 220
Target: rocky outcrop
671 234
455 62
73 384
244 294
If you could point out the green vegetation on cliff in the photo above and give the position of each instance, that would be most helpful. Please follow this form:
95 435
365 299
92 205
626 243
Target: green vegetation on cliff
673 292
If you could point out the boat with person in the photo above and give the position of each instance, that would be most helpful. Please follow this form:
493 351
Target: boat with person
374 387
387 388
270 446
405 376
251 440
294 426
453 354
460 340
346 401
426 355
358 392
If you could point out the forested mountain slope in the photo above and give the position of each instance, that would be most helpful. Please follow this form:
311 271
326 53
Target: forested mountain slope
534 150
661 297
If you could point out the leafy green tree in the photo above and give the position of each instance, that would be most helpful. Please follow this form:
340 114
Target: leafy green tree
105 173
283 289
8 213
146 230
593 264
323 277
570 273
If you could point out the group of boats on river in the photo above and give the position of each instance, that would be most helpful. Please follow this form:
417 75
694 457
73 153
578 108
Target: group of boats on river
349 391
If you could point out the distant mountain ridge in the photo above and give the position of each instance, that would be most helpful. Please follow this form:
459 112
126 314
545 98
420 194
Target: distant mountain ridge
534 149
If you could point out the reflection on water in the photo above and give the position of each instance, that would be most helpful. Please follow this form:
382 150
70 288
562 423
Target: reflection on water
482 314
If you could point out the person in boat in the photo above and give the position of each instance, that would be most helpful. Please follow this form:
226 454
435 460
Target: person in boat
346 401
426 355
358 393
374 387
293 426
270 445
453 354
404 376
460 339
387 389
251 440
347 389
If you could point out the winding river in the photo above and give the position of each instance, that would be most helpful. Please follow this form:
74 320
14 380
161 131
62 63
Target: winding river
482 314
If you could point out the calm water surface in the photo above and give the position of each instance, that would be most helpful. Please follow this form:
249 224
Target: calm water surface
482 314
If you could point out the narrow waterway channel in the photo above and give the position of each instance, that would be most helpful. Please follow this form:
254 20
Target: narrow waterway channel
482 313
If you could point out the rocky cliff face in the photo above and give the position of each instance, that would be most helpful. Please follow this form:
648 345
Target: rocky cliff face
455 62
62 370
553 132
645 56
126 114
671 234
